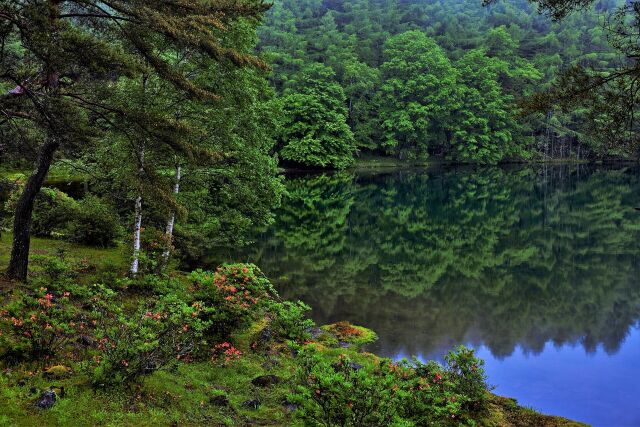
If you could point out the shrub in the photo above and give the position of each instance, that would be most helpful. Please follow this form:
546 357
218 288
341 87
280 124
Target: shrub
467 373
51 210
408 393
89 221
132 346
55 269
343 394
445 395
289 321
93 223
36 325
234 295
5 190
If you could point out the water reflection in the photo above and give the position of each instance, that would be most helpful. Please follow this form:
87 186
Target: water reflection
502 258
518 262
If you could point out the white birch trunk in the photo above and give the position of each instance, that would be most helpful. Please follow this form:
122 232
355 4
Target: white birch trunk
137 225
172 219
135 265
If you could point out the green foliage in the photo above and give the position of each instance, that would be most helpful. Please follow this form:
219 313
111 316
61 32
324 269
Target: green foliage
484 125
314 129
341 394
36 325
289 321
383 393
398 107
52 210
419 94
233 296
89 221
92 223
153 337
453 394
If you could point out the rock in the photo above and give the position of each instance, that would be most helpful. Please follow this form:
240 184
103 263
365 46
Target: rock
219 400
253 404
290 407
86 340
315 332
352 365
57 372
265 336
270 364
265 381
46 400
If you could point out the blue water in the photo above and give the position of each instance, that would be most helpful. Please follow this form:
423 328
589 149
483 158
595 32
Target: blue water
600 389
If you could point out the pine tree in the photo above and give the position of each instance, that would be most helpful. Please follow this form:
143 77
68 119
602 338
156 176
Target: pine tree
70 54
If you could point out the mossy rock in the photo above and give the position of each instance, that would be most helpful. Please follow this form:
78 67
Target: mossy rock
505 412
346 334
57 372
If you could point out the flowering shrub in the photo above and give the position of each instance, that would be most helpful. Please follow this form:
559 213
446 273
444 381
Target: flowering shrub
343 394
406 393
131 346
234 295
226 352
36 324
448 394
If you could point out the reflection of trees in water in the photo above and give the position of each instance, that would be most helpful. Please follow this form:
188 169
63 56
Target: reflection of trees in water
495 257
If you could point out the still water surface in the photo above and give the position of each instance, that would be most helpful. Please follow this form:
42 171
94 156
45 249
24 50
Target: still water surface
536 268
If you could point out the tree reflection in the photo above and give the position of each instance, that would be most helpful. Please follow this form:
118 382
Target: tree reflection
493 256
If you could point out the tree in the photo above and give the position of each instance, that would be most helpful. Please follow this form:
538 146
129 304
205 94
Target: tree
418 95
315 130
484 123
361 83
69 54
610 95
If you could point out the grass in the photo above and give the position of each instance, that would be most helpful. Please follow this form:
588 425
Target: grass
59 173
369 161
101 261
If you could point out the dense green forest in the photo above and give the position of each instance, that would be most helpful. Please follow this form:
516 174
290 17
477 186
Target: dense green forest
427 78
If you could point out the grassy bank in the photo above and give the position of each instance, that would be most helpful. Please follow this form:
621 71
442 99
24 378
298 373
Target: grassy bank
261 382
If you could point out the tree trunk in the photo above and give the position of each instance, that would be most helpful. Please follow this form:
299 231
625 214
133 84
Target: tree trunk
171 222
22 222
137 224
135 265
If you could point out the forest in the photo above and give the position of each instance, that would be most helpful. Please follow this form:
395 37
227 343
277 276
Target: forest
202 201
433 79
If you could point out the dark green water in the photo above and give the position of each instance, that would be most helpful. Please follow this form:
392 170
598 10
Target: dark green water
537 268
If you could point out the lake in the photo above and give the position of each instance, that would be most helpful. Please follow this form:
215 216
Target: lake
538 268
